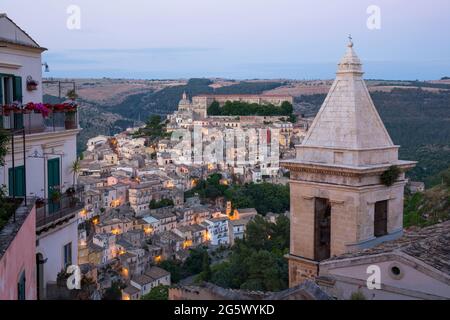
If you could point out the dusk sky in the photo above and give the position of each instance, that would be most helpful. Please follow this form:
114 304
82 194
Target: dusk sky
242 39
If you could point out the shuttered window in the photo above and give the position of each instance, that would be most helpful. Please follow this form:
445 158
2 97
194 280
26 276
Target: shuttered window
18 176
1 89
53 173
11 88
17 89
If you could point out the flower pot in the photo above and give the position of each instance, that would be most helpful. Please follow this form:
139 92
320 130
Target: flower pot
70 124
40 203
70 121
31 87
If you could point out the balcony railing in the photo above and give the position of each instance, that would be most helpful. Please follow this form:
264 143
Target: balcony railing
51 211
34 122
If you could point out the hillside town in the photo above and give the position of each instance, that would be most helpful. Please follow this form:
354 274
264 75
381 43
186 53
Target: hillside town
112 214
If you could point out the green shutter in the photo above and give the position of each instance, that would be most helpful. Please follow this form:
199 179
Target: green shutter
53 177
18 120
1 89
10 182
17 89
53 173
19 185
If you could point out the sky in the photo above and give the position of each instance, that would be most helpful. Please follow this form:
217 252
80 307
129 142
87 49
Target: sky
238 39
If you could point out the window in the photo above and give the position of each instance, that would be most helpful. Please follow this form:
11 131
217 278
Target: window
322 229
67 249
10 91
380 218
10 88
21 287
16 181
395 271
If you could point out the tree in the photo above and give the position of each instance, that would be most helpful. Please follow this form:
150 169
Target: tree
257 262
287 108
5 207
154 121
114 292
446 177
75 168
160 292
161 204
175 269
206 273
194 264
3 148
72 94
214 109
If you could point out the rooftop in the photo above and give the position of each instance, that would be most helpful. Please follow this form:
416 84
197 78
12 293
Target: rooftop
157 273
20 36
429 245
11 228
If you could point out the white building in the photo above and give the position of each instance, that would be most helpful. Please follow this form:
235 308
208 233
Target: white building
143 284
218 230
40 166
96 141
108 243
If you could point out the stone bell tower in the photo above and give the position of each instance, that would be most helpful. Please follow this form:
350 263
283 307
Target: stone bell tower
338 203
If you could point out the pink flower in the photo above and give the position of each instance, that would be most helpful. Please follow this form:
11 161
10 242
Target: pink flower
42 109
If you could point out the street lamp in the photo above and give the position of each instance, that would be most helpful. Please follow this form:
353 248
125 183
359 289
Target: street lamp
45 65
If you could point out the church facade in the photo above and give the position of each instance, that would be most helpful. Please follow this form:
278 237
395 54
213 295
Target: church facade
338 202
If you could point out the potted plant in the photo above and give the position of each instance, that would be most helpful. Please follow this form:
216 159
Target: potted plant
70 191
70 119
32 84
72 94
55 195
40 203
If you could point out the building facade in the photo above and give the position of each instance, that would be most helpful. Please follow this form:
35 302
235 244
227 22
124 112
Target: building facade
41 152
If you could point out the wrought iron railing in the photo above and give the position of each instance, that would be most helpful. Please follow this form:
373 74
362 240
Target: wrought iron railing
52 210
34 122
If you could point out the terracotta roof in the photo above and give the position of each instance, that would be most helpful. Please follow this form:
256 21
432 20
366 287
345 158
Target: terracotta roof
430 245
157 273
142 279
131 290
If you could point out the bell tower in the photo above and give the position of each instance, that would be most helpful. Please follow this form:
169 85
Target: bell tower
338 202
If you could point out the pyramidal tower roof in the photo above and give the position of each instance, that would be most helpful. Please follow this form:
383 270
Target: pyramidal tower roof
348 118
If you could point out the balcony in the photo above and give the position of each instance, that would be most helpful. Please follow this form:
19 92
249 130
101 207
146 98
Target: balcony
35 122
52 212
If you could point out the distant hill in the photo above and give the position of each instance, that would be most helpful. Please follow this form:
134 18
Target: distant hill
162 102
429 207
